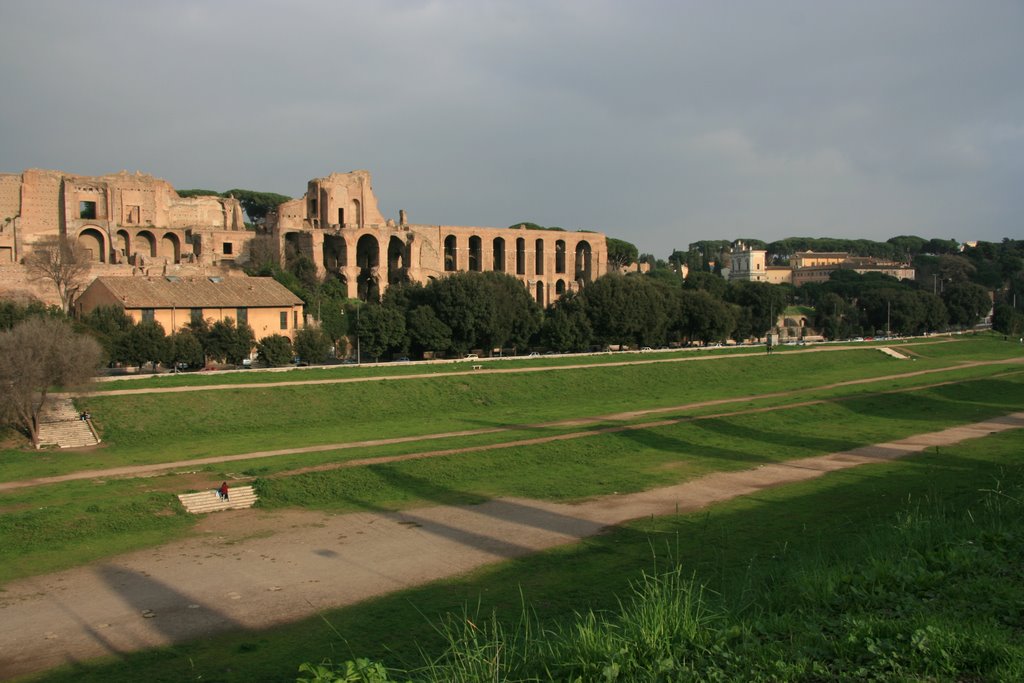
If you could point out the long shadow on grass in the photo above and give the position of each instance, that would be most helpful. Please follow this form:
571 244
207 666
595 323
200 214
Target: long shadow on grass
738 549
656 439
771 443
507 515
947 401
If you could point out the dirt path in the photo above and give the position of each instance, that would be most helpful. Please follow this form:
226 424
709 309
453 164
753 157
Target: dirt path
253 569
159 468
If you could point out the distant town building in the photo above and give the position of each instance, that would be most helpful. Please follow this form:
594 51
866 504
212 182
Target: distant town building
750 265
809 266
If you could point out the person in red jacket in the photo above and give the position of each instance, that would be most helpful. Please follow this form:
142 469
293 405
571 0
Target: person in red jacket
223 490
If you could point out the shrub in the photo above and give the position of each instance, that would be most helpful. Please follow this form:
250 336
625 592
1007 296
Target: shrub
275 350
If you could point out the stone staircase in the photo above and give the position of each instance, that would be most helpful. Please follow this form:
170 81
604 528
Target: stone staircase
60 426
240 497
890 352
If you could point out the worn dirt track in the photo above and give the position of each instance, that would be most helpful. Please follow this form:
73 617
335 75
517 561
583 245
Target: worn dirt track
253 569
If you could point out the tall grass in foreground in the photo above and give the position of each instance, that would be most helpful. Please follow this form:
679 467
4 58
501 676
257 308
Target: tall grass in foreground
936 594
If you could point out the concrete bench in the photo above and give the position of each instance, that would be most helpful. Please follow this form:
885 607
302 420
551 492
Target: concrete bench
478 367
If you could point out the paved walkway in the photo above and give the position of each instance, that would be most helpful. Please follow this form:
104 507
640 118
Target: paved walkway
254 569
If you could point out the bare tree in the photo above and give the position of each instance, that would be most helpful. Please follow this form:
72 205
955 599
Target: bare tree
63 262
37 355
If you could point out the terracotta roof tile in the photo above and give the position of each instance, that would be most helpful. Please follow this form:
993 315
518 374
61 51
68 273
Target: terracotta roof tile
197 292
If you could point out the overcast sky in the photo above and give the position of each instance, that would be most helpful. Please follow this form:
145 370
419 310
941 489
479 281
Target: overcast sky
661 123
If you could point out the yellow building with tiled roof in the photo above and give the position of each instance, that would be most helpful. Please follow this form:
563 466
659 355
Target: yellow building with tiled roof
264 304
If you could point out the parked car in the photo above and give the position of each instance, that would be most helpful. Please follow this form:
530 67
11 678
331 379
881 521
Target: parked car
471 356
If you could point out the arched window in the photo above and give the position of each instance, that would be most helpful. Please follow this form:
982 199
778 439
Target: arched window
92 241
368 261
538 259
520 256
144 244
583 254
397 259
451 259
498 255
560 256
475 257
170 248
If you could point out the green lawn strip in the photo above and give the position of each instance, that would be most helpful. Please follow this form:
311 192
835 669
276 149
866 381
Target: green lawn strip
189 379
963 346
39 464
636 460
152 428
35 521
815 570
48 529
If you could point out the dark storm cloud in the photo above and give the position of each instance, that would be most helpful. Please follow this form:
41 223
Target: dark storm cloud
657 122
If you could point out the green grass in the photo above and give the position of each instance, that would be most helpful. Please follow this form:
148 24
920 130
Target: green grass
150 428
635 460
52 527
893 571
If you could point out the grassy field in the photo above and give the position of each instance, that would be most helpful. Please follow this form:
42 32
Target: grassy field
150 428
63 525
894 571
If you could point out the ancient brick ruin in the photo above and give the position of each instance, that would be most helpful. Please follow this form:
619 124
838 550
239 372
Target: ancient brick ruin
133 223
338 225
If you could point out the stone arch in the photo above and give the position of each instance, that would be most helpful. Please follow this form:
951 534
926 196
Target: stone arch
475 253
498 254
538 257
368 261
144 244
335 252
540 292
93 241
520 256
560 256
451 253
123 243
170 247
584 254
398 261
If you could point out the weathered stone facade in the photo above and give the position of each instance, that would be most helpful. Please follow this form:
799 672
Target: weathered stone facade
135 224
119 218
338 225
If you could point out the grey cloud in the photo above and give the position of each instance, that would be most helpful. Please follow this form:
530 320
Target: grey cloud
659 122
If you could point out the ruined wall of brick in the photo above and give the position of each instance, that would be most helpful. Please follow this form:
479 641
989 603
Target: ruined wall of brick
10 196
339 213
41 204
128 222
